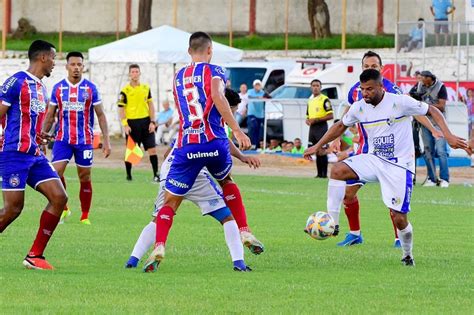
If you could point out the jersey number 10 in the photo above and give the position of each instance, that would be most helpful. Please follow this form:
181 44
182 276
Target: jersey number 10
193 103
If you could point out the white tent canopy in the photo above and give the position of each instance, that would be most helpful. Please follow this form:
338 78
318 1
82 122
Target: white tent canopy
164 44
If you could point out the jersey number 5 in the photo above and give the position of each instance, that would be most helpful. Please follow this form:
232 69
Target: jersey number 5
193 102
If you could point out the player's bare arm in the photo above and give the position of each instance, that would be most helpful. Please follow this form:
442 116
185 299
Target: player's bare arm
48 124
441 105
454 141
252 162
428 125
3 109
151 112
222 105
99 110
126 128
334 132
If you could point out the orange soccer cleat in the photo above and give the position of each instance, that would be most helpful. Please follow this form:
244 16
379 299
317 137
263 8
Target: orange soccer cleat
37 262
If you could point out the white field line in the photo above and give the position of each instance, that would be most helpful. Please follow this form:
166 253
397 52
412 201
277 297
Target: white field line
446 202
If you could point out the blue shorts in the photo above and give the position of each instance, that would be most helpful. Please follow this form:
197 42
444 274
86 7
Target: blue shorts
192 158
354 182
63 152
19 169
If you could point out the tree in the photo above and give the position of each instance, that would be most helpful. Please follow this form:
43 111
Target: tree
144 15
318 15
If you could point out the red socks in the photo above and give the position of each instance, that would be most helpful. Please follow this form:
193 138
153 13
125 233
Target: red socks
48 223
64 185
85 195
164 221
393 223
234 201
352 212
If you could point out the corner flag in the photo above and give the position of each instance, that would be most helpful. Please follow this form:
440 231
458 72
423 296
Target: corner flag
133 153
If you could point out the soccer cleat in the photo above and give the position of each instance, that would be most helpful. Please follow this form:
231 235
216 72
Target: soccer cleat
444 184
86 221
336 230
64 215
351 239
429 183
156 179
252 243
408 261
132 262
397 243
37 262
129 178
155 258
247 269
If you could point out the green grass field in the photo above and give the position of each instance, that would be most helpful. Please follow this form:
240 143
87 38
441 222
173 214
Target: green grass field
83 42
296 274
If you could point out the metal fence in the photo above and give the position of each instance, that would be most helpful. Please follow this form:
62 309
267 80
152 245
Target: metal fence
441 46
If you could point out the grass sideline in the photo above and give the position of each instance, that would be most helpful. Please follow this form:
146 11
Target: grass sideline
295 275
83 42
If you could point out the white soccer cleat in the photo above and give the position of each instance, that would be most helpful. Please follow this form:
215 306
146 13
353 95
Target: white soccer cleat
251 242
429 183
444 184
155 258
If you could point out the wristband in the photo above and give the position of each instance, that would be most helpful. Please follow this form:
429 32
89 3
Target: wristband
124 122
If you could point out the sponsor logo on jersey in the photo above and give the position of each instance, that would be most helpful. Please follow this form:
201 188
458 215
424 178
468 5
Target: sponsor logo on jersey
191 131
76 106
8 84
199 155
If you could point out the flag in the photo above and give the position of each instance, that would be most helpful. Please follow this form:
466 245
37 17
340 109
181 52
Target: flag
133 153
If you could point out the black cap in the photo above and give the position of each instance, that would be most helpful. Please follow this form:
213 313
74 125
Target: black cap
427 73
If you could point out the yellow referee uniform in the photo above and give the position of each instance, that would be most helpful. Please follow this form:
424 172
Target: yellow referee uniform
135 101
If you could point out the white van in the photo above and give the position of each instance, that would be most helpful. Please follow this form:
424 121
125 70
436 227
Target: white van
272 73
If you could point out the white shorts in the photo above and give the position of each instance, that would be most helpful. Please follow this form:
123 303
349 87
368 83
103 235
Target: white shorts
204 193
396 182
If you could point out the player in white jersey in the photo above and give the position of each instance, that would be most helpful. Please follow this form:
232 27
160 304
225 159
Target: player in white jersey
388 154
210 199
205 194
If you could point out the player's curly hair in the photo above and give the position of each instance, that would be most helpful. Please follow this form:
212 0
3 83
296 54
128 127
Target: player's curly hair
232 97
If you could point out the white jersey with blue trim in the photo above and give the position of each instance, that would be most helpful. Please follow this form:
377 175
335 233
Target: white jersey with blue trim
385 129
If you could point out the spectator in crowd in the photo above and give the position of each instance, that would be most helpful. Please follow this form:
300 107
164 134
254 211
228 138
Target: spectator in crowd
255 113
432 91
164 121
469 100
416 36
318 112
440 9
298 147
288 147
274 146
241 112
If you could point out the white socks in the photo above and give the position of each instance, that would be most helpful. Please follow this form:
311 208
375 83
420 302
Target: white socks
406 240
232 238
145 241
336 192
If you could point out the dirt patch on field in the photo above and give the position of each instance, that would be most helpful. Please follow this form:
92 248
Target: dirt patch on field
272 165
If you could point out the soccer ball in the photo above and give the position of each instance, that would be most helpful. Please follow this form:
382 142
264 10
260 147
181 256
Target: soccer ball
320 225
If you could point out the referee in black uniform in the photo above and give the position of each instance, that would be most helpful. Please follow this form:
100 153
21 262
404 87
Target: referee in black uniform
319 111
137 115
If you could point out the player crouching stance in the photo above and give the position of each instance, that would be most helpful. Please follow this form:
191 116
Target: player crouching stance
209 198
388 154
